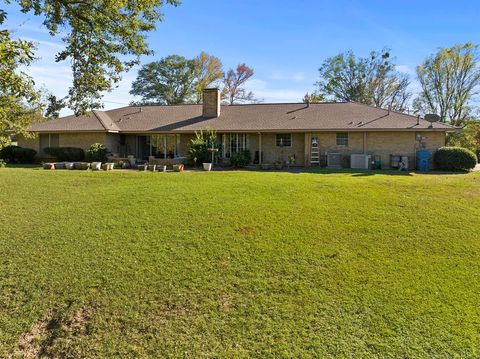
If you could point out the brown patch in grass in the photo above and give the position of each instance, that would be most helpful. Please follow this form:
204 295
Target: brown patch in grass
247 230
30 344
54 326
225 301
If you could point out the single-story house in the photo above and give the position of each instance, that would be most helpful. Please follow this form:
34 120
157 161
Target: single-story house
273 132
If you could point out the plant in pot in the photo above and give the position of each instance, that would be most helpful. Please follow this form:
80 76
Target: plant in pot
178 167
211 136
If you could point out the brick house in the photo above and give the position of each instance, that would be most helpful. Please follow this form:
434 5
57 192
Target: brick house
312 133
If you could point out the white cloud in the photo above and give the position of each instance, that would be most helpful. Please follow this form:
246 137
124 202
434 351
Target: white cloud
300 76
264 91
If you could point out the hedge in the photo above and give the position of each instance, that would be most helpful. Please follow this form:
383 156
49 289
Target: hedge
24 155
454 159
73 154
6 153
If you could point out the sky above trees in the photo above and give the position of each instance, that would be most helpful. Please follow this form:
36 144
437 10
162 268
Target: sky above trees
284 42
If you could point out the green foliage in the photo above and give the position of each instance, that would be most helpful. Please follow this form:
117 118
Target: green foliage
370 80
198 148
169 81
97 152
468 137
66 153
314 97
7 154
449 79
208 71
19 100
103 39
24 155
454 159
241 158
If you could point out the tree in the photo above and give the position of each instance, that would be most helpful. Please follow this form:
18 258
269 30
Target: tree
19 100
313 98
469 137
371 80
54 106
449 80
234 85
208 71
168 81
104 38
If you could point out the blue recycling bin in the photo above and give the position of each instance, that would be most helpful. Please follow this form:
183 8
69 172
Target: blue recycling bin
423 160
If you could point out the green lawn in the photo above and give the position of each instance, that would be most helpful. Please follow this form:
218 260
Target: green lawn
237 264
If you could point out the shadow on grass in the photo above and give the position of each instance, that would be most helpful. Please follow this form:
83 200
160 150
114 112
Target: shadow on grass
25 166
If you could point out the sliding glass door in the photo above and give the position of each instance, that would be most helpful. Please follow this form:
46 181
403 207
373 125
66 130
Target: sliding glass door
159 146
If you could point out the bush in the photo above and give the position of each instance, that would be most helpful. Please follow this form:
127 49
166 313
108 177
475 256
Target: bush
454 159
198 148
72 154
241 159
97 152
24 155
6 153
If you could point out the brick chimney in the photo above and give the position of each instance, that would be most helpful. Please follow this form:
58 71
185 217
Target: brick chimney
211 103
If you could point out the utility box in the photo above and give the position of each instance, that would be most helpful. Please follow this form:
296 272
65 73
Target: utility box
360 161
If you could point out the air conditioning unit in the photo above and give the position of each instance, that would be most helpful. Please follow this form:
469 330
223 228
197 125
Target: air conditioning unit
334 160
360 161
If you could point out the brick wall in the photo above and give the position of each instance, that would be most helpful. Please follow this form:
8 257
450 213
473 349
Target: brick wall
272 153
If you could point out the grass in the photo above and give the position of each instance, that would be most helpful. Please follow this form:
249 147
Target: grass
237 264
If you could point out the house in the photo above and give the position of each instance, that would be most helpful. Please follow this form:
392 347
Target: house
275 132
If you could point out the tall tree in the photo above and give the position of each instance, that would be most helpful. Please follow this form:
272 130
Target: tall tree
449 80
168 81
234 85
371 80
208 71
19 100
104 38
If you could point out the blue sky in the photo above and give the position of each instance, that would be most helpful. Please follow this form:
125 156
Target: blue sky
285 42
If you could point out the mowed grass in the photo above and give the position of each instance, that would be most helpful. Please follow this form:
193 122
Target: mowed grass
239 264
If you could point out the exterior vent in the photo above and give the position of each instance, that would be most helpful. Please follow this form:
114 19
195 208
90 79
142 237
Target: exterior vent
359 161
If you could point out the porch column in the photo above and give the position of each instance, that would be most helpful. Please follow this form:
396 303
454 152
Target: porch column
307 148
365 142
260 148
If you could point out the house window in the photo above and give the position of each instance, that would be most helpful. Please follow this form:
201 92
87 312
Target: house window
233 143
284 140
49 140
342 139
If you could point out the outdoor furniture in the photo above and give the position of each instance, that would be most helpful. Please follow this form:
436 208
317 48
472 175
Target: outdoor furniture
161 168
69 165
81 165
142 167
152 168
59 165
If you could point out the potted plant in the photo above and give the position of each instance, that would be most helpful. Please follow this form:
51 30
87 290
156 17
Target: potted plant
108 166
69 165
96 166
81 166
48 166
211 139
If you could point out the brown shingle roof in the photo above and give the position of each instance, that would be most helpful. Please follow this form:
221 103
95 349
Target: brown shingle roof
343 116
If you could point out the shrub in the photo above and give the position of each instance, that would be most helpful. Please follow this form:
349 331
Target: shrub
24 155
2 163
97 152
198 149
241 159
454 159
6 153
73 154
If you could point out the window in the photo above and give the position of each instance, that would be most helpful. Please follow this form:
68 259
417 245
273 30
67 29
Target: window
284 140
233 143
159 146
49 140
342 139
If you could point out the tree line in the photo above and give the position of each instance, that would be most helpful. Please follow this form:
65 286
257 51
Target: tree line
177 80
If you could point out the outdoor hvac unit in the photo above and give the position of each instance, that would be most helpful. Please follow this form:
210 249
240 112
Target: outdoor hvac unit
360 161
334 160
